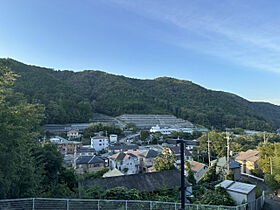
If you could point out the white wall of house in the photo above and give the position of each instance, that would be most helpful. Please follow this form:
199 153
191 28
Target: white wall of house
130 163
240 197
99 143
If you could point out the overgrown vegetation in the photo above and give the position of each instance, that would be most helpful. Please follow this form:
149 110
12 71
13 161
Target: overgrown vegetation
269 163
122 193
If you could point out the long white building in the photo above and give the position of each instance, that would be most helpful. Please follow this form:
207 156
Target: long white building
168 131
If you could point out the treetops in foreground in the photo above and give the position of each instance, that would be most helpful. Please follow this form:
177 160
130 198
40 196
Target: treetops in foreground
239 143
28 168
269 163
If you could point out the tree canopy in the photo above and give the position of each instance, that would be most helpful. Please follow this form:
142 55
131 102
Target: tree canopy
74 96
165 160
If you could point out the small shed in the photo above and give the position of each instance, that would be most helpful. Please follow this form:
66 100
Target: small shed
239 191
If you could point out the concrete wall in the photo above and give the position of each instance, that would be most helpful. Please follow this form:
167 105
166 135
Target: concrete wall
237 173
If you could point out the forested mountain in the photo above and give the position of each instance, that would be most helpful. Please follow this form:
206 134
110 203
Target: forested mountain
74 96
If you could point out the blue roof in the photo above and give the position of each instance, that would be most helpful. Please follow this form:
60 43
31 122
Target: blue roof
222 162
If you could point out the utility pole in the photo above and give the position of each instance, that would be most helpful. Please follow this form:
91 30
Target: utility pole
264 137
270 165
209 154
228 149
183 194
182 156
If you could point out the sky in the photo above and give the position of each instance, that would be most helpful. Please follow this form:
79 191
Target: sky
227 45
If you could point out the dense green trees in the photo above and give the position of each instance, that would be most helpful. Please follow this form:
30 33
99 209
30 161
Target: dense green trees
238 144
269 163
107 130
190 173
18 122
165 160
122 193
74 96
27 169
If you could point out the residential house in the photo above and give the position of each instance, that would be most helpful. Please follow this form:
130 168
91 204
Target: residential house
239 191
66 146
87 164
234 166
177 153
122 147
198 169
99 143
127 163
191 144
146 160
72 134
85 151
249 160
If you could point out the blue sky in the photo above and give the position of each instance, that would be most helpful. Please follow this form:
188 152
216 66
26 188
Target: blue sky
229 45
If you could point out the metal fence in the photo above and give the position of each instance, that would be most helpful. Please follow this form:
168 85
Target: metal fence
71 204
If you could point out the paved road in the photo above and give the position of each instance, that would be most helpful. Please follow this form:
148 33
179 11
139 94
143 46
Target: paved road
261 184
271 204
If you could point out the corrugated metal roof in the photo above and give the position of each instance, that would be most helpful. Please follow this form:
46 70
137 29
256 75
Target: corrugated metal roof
239 187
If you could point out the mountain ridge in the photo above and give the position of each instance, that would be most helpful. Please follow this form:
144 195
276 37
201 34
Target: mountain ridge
74 96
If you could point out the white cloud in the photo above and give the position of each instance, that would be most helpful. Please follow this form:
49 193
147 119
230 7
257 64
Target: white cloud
242 32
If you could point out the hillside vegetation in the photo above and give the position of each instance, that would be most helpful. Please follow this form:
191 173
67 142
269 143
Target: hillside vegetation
74 96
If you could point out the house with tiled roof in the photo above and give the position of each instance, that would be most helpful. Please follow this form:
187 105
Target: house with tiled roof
66 146
234 166
89 163
127 163
73 134
198 169
249 160
146 160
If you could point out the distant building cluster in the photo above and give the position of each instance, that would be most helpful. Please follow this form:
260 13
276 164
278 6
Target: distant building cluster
127 159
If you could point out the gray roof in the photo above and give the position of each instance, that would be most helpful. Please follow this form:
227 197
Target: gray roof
150 153
85 149
143 182
89 159
239 187
177 150
222 162
124 147
121 156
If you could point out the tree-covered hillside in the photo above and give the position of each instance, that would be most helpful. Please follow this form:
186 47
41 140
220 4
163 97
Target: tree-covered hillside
73 97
